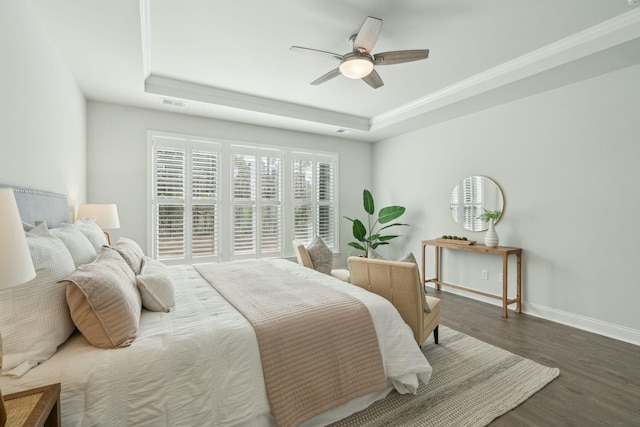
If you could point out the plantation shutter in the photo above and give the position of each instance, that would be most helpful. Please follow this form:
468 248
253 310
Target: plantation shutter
220 200
186 199
303 200
244 204
314 197
270 204
204 198
170 198
326 202
257 201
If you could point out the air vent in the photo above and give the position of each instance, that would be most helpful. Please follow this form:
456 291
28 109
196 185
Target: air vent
173 102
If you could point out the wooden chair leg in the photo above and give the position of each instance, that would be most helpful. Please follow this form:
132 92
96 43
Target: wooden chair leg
435 334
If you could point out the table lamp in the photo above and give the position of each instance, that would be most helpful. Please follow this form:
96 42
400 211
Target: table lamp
106 216
15 259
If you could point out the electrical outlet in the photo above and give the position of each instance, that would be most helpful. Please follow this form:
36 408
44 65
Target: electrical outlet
500 277
485 274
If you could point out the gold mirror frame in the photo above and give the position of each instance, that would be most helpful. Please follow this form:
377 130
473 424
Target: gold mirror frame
470 197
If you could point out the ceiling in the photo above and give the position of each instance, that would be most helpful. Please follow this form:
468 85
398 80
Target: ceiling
231 60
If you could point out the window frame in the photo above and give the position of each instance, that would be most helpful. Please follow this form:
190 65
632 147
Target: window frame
225 195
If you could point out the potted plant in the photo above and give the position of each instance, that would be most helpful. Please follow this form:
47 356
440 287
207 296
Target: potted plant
370 237
491 239
488 215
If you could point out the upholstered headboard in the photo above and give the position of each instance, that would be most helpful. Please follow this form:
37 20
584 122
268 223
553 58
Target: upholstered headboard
37 205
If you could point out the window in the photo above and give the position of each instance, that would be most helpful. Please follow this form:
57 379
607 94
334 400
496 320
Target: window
185 199
257 201
218 200
314 197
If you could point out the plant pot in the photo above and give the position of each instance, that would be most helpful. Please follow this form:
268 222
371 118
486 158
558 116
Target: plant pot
491 237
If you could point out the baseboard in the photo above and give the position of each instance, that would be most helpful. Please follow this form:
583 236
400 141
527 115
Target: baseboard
596 326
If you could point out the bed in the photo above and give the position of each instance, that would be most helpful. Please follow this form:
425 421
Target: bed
200 363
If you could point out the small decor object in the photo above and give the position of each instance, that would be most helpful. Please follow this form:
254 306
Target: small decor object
456 239
372 238
491 237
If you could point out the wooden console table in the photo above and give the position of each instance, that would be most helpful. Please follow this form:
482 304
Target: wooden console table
503 251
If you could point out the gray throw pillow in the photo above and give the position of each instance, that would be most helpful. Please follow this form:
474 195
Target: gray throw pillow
407 258
321 255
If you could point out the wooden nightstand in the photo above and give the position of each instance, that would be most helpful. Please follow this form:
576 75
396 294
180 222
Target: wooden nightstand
38 407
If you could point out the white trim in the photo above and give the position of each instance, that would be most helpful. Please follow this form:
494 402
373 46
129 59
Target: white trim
600 37
145 30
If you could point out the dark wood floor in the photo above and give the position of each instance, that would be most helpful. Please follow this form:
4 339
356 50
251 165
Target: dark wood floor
599 382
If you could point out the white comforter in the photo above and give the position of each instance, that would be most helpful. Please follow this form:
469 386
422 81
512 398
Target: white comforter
199 365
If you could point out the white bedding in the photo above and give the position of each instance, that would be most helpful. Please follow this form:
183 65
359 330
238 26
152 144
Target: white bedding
199 364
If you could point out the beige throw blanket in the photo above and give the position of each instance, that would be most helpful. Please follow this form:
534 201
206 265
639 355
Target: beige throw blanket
318 346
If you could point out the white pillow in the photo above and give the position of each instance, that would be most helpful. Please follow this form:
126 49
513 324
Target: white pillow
34 317
92 230
321 255
155 286
81 249
132 253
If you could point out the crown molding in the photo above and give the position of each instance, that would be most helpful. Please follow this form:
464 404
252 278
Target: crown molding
595 39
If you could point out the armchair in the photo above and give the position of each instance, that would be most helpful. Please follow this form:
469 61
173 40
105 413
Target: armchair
399 282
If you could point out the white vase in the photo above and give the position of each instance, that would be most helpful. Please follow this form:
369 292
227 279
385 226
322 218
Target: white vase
491 237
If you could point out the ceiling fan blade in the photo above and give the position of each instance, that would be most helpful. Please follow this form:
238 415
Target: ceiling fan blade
400 56
368 35
373 79
316 52
331 74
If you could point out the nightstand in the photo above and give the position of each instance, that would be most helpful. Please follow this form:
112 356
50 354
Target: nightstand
38 407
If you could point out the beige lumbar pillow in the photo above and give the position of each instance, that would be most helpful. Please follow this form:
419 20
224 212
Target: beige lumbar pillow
155 286
104 301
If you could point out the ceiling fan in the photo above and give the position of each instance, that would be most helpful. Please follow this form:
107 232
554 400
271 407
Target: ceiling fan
359 64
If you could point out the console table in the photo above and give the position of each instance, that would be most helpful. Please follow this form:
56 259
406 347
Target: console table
503 251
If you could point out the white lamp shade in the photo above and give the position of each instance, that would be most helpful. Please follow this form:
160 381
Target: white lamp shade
16 266
106 215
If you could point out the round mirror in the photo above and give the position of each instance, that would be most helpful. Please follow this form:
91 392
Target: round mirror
469 199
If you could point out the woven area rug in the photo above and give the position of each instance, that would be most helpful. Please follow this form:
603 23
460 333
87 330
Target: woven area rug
472 383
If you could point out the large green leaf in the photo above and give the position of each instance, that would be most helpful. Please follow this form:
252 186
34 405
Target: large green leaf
390 213
385 238
359 231
368 202
392 225
357 246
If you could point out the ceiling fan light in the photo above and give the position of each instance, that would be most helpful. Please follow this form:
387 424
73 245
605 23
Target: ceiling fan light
356 67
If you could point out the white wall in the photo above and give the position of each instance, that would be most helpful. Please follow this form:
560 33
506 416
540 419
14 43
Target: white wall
117 160
567 162
42 110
